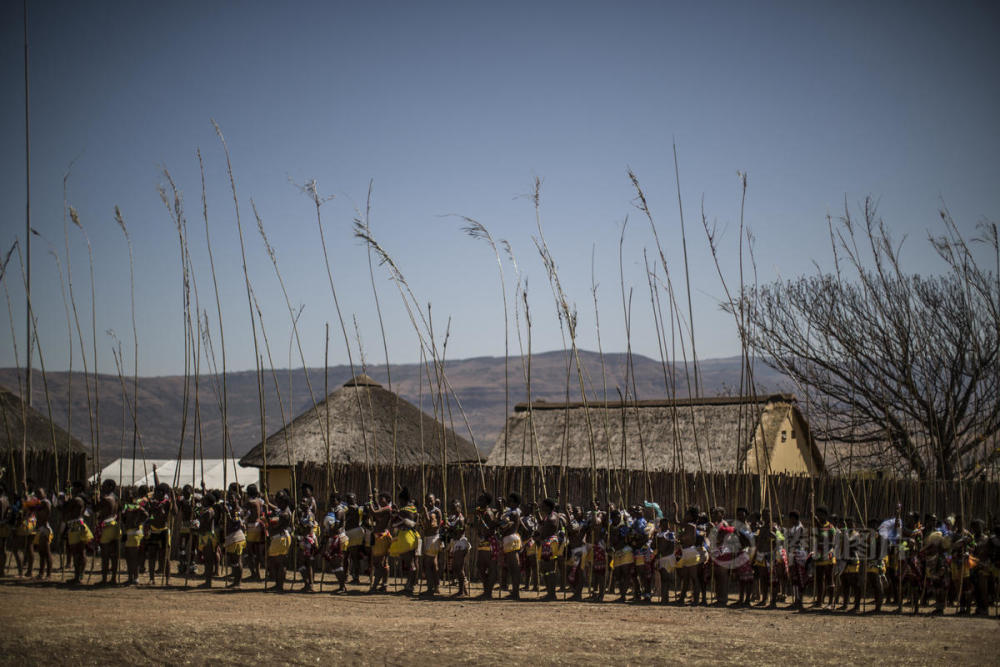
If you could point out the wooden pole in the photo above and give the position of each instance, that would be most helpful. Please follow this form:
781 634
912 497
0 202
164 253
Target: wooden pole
27 208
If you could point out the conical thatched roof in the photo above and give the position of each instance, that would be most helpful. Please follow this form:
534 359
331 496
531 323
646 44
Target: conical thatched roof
727 428
40 429
303 439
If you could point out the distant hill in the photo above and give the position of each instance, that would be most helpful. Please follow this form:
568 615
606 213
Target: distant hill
478 382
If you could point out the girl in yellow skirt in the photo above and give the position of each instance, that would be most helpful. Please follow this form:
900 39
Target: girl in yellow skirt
27 528
208 541
78 537
308 544
134 516
407 540
430 544
281 542
381 516
236 542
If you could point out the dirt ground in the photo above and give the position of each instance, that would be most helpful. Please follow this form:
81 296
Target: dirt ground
51 623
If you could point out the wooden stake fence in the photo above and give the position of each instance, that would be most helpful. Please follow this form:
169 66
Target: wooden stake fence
878 496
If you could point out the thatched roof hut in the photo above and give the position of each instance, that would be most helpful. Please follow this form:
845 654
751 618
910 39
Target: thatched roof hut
712 434
37 452
384 414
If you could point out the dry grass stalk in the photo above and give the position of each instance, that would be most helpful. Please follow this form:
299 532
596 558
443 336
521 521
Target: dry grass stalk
423 451
604 374
134 408
21 384
368 397
69 375
116 353
277 391
33 322
223 395
738 310
227 443
643 206
72 299
527 373
568 313
687 277
326 404
94 414
74 216
423 332
477 230
381 325
295 327
670 376
310 189
441 398
521 291
175 209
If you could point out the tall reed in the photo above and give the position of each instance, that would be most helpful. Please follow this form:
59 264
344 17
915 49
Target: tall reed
175 210
223 395
21 384
527 382
366 221
33 322
687 276
423 450
368 396
277 391
134 408
128 406
227 442
10 458
70 213
69 374
477 230
422 330
330 484
693 391
604 373
95 415
569 314
310 189
323 426
629 368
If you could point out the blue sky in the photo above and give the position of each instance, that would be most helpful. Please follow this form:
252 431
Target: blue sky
455 108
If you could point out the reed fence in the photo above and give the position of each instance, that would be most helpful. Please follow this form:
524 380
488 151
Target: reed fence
857 497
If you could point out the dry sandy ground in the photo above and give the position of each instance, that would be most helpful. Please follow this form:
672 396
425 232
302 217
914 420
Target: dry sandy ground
49 623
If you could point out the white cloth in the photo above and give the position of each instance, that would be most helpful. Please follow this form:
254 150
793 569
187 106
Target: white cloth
668 563
356 536
512 543
692 556
431 545
235 537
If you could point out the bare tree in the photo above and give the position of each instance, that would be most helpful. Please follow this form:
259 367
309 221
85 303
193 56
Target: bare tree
903 367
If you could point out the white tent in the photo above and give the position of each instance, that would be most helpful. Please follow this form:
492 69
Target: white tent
136 472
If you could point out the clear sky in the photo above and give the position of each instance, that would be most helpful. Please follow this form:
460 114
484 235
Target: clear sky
455 108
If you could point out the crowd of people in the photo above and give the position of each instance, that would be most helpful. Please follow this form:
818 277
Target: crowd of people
631 552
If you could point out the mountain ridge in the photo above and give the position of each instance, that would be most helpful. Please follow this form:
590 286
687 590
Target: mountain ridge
478 383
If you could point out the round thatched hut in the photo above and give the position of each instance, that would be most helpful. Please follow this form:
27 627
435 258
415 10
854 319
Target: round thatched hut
360 421
34 448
